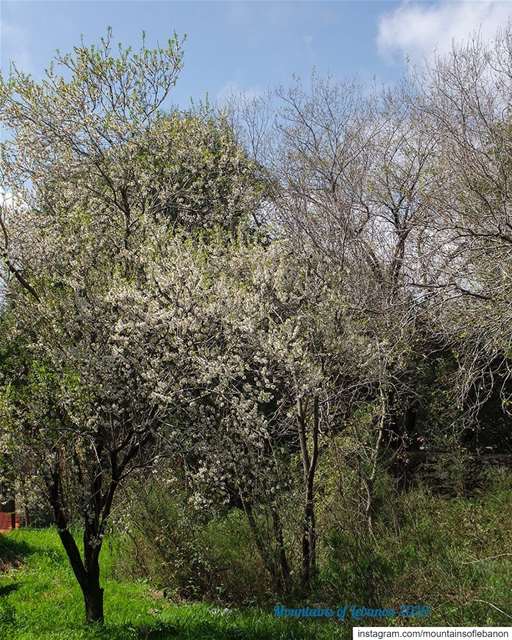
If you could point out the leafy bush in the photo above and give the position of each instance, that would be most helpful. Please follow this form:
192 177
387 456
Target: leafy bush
189 554
448 553
355 572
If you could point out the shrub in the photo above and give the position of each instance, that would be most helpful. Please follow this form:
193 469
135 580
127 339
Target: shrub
190 554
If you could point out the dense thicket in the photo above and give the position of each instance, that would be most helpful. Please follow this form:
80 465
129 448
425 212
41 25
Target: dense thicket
265 321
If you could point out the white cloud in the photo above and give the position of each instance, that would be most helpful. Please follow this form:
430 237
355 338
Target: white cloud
421 31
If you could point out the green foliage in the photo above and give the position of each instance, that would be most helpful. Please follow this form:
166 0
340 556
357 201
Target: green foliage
450 470
152 326
44 600
356 571
189 553
197 172
448 553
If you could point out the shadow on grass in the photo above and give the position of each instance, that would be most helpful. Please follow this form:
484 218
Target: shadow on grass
236 629
159 631
12 552
8 588
200 630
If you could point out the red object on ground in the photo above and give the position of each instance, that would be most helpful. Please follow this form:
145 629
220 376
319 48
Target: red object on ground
9 521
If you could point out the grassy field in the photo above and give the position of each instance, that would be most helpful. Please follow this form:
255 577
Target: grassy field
40 600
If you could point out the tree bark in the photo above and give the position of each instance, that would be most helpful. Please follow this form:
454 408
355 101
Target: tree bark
93 599
87 573
281 550
92 591
265 553
309 464
86 570
370 480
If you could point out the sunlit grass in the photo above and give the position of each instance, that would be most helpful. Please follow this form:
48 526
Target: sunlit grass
41 601
452 555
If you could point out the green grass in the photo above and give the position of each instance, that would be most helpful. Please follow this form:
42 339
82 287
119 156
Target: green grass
40 600
453 555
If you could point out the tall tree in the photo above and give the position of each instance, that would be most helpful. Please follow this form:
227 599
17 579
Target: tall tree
99 179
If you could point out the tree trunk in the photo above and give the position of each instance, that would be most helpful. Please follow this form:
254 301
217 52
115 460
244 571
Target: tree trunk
284 588
91 589
87 574
87 569
265 553
93 599
309 464
308 544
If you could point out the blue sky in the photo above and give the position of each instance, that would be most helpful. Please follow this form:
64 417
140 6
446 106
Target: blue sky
250 46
